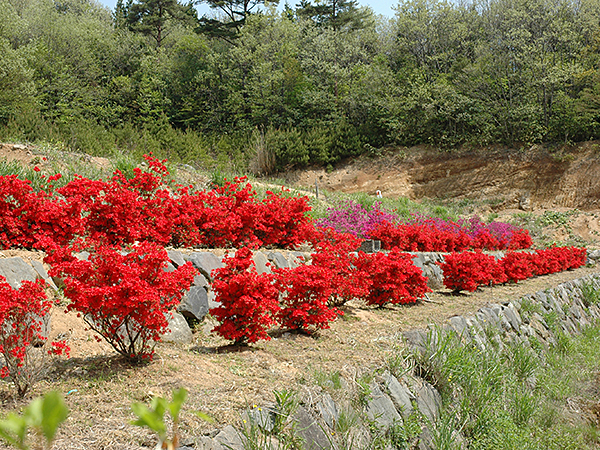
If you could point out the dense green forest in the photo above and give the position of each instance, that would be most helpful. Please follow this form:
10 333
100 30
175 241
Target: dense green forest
315 83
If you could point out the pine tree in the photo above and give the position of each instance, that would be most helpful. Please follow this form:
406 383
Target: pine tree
235 13
336 14
152 17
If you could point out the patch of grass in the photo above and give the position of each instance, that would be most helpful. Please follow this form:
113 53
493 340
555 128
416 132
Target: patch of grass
528 307
555 218
364 388
513 398
328 381
590 294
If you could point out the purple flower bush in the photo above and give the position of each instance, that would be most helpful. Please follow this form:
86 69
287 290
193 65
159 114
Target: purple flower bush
352 217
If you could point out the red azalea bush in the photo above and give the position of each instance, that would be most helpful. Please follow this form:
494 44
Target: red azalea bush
424 236
468 270
312 293
307 290
121 210
557 259
392 278
284 220
124 296
517 266
22 313
249 301
26 216
232 216
309 295
435 235
520 239
124 210
333 253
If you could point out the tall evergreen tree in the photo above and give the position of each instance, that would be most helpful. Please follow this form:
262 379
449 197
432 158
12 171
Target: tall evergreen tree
235 13
152 17
336 14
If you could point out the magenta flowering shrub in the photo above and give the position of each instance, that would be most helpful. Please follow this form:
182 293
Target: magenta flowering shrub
352 217
421 233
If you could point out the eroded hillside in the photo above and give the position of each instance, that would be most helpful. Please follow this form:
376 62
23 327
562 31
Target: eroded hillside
507 178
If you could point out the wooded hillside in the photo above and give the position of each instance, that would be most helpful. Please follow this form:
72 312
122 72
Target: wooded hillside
315 83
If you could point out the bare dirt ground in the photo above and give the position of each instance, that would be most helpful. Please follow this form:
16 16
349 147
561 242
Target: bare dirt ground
99 386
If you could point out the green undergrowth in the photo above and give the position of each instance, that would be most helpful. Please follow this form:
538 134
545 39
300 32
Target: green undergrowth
543 226
516 397
504 397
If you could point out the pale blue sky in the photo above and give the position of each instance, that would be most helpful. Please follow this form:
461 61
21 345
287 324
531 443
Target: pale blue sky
379 6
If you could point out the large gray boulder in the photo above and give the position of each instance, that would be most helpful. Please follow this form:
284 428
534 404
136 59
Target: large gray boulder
328 410
400 394
278 260
194 304
179 331
427 262
381 410
311 431
230 438
261 262
429 401
176 257
205 262
16 270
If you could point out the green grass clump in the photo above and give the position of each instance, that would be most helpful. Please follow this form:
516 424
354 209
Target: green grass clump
514 397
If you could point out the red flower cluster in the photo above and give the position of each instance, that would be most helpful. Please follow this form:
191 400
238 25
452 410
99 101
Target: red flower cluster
123 211
125 296
557 259
232 216
26 216
469 270
249 301
428 236
22 313
307 297
392 278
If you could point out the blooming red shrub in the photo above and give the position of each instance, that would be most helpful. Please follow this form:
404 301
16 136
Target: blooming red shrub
485 240
26 216
284 221
391 235
249 301
307 290
334 254
468 270
517 266
125 210
520 239
436 235
14 194
124 296
392 277
557 259
22 312
544 262
311 293
578 257
121 210
232 216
